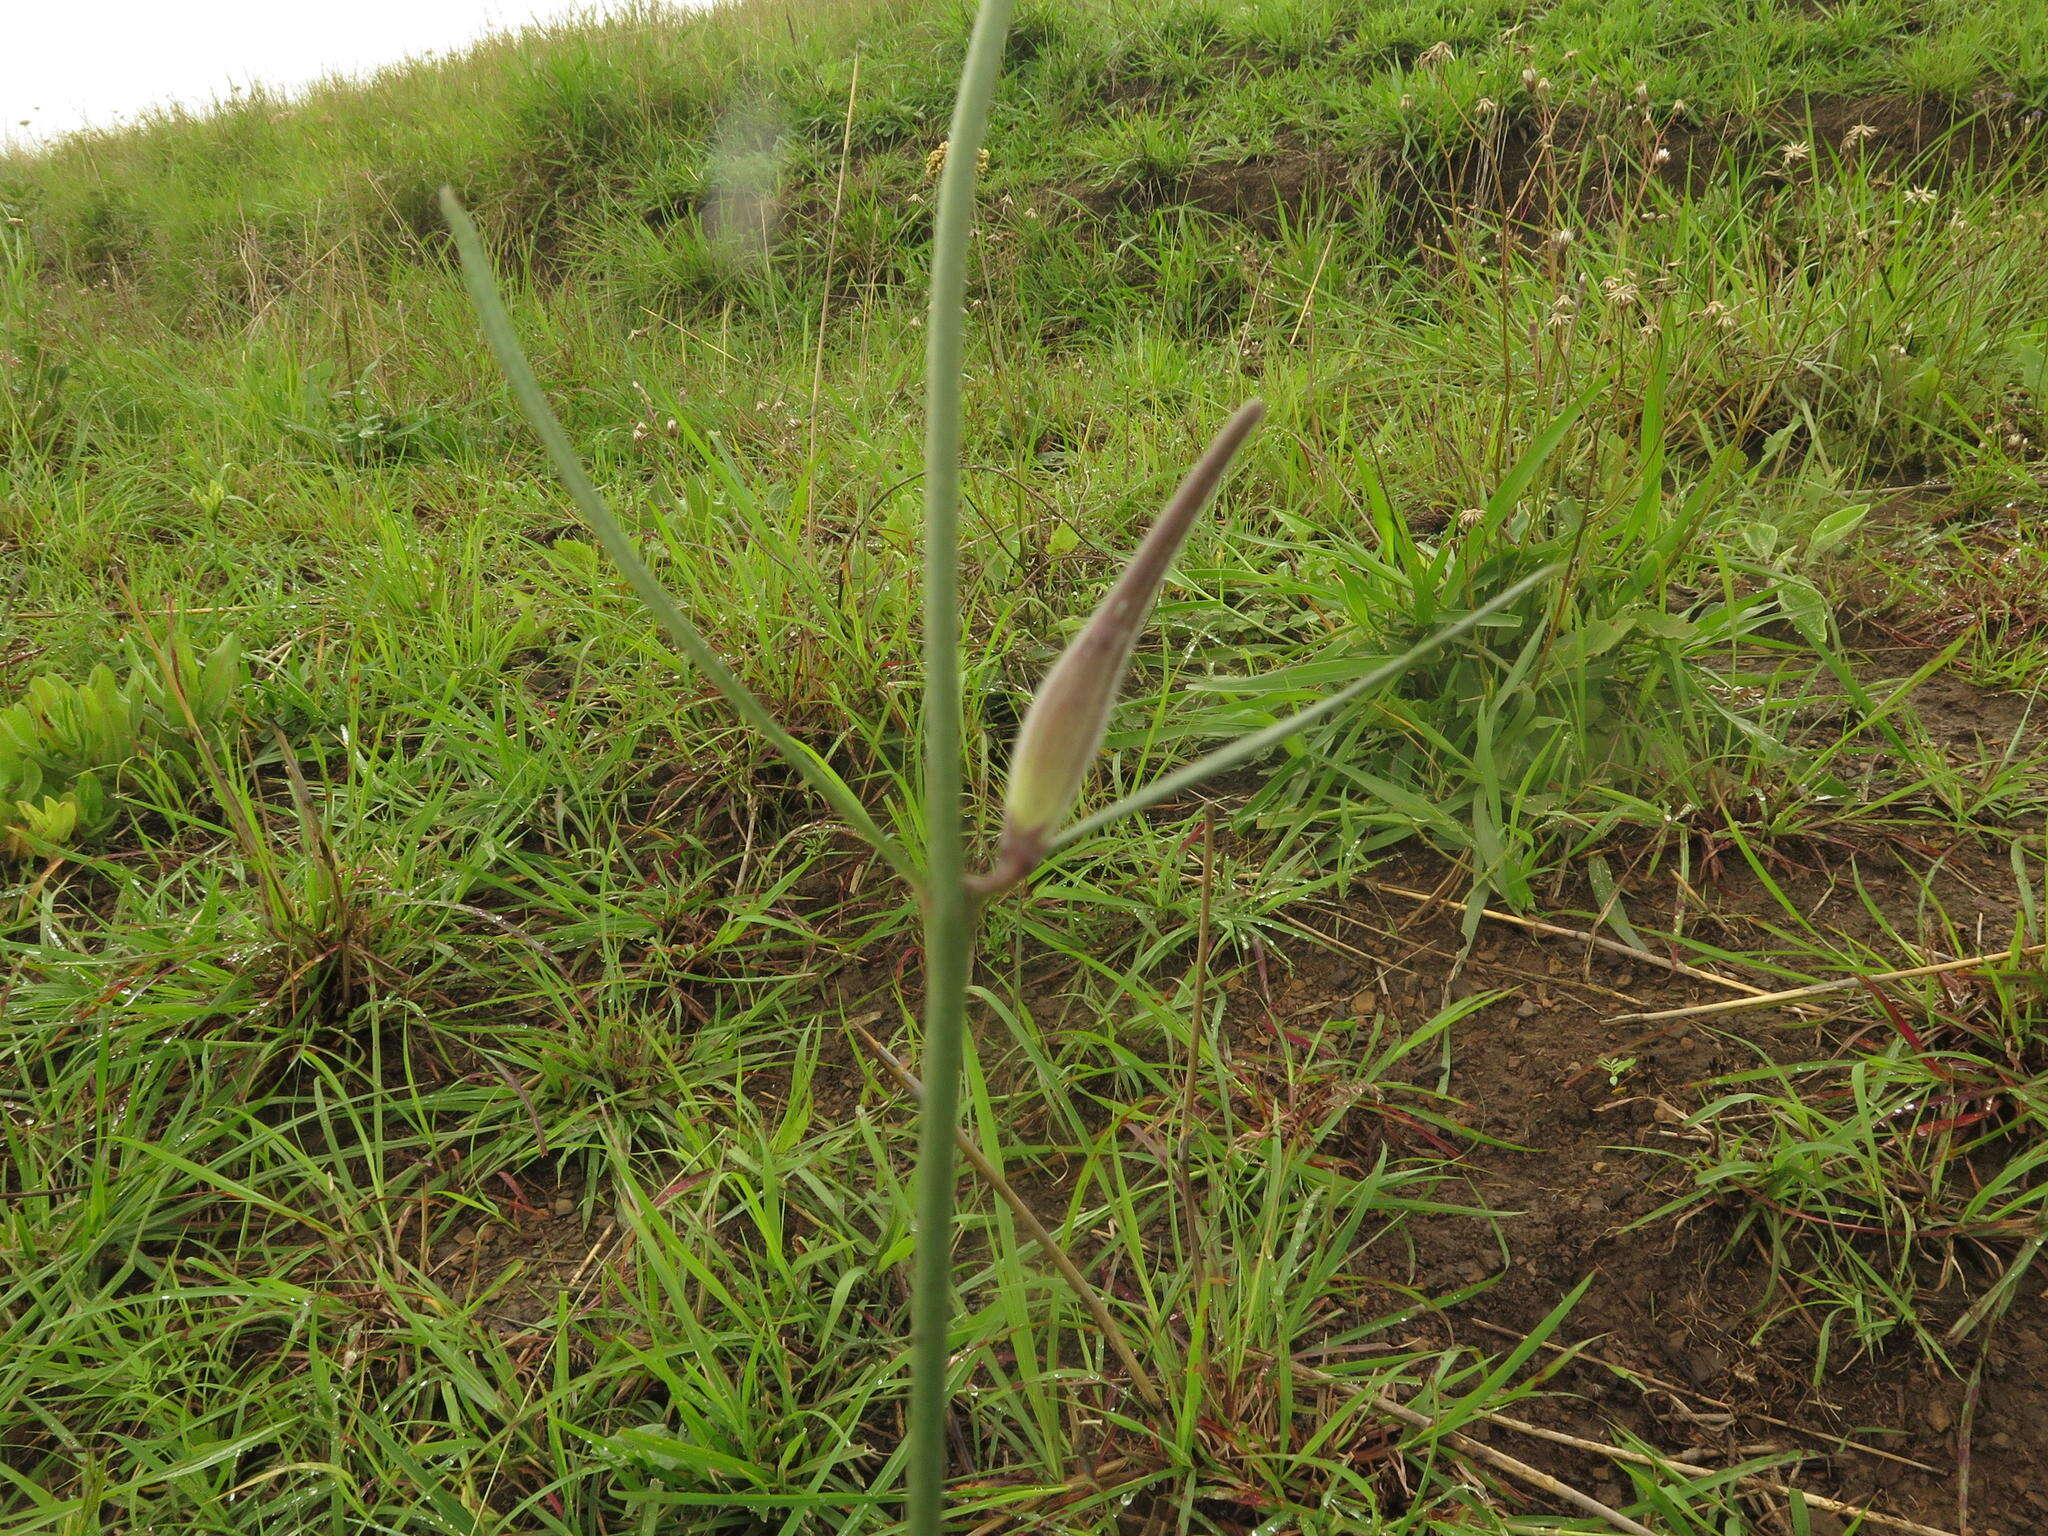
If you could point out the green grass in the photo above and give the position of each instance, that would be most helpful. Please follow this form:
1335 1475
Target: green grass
469 898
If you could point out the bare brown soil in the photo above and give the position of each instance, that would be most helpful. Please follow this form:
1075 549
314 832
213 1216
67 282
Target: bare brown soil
1681 1350
1528 168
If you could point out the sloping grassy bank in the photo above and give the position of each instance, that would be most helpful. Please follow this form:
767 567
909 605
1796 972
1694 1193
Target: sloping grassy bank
425 1019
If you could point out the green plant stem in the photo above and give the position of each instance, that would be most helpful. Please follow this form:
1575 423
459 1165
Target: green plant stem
1020 1208
490 308
948 916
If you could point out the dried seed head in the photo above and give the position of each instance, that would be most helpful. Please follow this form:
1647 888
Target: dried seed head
1857 134
1435 56
935 162
1796 154
1921 197
1062 731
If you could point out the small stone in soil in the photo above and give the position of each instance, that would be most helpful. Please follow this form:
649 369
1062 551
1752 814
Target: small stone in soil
1702 1367
563 1206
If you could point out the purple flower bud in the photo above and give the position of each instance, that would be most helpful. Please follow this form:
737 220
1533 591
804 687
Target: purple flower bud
1062 731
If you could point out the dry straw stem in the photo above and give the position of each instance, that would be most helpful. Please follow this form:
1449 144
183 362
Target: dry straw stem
1694 1469
1823 989
1090 1298
1585 1501
1598 941
1478 1450
1643 1378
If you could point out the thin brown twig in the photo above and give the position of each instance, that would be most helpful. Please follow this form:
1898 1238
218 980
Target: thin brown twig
540 1135
1187 1107
1583 1352
58 613
1694 1469
832 253
1478 1450
1197 1023
1598 941
1822 989
1965 1434
1618 1453
1141 1379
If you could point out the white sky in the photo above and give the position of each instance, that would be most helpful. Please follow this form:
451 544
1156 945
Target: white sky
68 63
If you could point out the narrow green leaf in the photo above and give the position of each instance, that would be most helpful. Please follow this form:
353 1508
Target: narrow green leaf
1258 743
490 308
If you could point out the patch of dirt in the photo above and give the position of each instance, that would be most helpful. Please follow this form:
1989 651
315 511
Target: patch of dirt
510 1250
515 1264
1992 589
1939 130
1675 1323
1508 170
1974 720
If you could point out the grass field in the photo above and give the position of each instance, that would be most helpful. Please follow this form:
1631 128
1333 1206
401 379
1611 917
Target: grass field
437 1090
